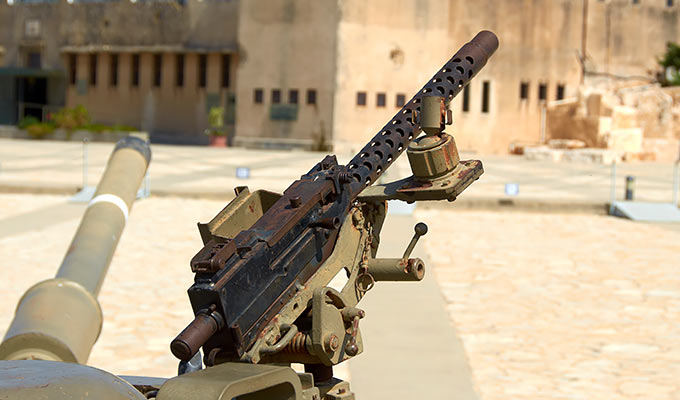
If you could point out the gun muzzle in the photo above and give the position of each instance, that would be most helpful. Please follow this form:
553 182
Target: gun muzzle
60 319
189 341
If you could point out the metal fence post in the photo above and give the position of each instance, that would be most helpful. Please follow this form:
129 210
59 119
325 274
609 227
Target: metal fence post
85 162
676 182
612 193
630 187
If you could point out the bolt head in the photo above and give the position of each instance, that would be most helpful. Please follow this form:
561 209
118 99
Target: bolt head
331 343
295 201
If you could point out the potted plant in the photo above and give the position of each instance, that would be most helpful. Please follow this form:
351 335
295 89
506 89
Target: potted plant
216 132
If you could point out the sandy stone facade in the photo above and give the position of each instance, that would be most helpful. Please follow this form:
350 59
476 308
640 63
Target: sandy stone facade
323 72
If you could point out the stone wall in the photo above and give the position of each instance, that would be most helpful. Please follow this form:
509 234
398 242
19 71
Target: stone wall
383 48
171 112
286 47
641 121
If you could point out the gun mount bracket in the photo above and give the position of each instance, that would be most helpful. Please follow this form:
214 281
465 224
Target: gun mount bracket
446 187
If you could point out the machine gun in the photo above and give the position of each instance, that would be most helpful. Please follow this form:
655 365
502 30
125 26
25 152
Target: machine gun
261 295
260 292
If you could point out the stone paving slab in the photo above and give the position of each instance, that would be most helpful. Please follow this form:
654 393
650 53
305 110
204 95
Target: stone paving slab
34 166
548 306
411 350
561 306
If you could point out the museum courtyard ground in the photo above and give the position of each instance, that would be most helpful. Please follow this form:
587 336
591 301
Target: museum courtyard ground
527 301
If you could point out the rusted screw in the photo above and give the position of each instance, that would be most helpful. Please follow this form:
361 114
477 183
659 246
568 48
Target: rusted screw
357 218
295 201
331 343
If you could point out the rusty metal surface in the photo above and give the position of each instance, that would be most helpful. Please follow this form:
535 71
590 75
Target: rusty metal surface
248 277
411 189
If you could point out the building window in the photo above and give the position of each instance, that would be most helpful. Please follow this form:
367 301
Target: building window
311 96
258 96
72 69
276 96
31 27
226 63
293 96
157 68
542 92
560 92
179 70
33 60
134 75
524 91
361 98
486 88
202 70
401 100
466 98
113 70
669 3
636 1
93 69
380 100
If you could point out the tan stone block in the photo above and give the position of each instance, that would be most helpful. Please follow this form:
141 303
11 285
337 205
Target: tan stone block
664 150
543 153
655 113
603 128
594 104
592 156
624 117
625 140
566 144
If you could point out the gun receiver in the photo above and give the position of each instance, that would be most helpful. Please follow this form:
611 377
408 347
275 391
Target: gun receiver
244 279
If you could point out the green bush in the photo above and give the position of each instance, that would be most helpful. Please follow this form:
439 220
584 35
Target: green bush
68 119
28 121
671 60
39 130
71 119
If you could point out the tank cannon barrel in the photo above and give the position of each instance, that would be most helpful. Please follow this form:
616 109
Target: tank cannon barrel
60 319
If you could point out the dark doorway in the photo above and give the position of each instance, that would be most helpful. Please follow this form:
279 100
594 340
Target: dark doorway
31 97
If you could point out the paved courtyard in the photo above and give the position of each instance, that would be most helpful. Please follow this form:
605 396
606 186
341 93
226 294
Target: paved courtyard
561 306
211 172
546 305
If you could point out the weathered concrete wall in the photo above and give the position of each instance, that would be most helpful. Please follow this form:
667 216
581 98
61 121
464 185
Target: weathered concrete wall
340 48
540 43
286 45
538 40
568 121
384 46
205 27
626 38
197 24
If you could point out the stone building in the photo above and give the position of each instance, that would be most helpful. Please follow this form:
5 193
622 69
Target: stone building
305 72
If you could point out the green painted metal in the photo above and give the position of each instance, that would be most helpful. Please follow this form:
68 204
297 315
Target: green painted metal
60 319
